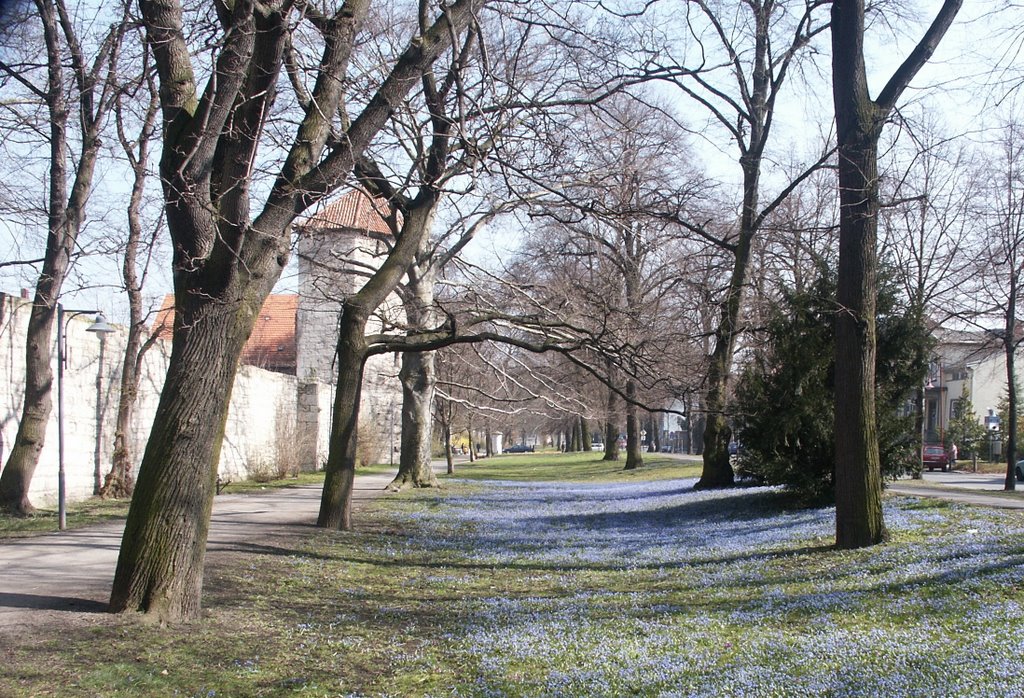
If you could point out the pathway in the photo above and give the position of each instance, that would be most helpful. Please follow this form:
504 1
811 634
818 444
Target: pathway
72 572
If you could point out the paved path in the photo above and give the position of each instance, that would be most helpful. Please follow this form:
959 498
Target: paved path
969 488
73 571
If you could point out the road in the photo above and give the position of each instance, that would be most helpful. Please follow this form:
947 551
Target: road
969 488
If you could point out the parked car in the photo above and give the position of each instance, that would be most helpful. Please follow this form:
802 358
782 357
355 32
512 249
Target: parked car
934 456
518 448
1020 471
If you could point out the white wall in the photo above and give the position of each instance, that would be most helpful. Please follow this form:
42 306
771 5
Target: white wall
263 407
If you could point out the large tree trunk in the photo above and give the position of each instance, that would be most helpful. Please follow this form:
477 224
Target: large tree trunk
418 379
634 452
160 568
859 520
226 262
859 121
858 478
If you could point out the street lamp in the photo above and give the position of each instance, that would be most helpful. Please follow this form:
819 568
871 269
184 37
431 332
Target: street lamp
101 327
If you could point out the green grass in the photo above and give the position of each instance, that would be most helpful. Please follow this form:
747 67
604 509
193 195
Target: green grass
253 486
574 467
79 514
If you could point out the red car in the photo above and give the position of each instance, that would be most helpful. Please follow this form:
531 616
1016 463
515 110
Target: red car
934 456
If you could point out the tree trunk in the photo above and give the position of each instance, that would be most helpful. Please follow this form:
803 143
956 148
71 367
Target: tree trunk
336 500
65 212
448 455
634 452
919 431
611 429
586 441
1009 345
160 568
120 481
418 379
859 121
717 470
858 476
35 412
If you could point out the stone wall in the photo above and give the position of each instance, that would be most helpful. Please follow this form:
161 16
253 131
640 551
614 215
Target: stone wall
334 264
264 428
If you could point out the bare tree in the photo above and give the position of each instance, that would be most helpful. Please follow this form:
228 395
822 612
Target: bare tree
927 228
77 89
137 256
859 122
1000 266
753 49
215 140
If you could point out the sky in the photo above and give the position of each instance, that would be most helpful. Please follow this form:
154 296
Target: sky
958 82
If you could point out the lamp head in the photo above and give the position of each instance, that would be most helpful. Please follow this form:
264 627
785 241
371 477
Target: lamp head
100 326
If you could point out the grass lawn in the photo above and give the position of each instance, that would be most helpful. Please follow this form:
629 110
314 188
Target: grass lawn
568 580
45 519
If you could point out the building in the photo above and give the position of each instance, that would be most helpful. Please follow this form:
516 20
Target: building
968 366
271 345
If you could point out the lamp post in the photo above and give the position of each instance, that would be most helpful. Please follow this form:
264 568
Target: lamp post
101 327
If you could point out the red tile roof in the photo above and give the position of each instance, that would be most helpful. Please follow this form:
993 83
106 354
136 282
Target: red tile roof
356 210
272 343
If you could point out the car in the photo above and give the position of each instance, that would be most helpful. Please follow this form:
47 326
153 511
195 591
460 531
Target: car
1020 471
518 448
934 456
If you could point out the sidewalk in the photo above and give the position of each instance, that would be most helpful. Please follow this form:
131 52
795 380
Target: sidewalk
72 572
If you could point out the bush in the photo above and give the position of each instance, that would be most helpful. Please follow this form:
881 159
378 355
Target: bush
784 396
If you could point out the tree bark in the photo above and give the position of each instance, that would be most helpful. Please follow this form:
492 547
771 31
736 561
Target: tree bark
634 451
586 442
859 122
120 481
336 500
226 263
352 351
418 377
611 429
160 568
